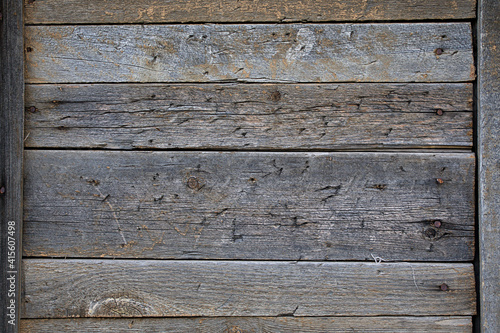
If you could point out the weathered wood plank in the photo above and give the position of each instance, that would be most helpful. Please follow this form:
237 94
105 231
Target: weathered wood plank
292 53
336 206
489 158
126 288
11 160
268 116
153 11
251 325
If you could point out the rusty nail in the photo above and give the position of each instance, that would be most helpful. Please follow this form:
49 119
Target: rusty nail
444 287
193 183
438 51
439 112
2 190
439 181
437 224
33 109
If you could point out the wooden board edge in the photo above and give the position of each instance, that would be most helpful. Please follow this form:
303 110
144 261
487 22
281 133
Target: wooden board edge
488 162
456 324
11 157
149 11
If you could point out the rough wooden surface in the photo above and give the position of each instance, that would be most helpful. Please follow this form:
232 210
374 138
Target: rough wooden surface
153 11
261 116
126 288
336 206
251 325
489 157
11 161
292 53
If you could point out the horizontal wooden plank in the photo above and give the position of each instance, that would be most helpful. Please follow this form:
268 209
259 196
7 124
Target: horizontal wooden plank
152 11
251 325
257 116
262 53
335 206
127 288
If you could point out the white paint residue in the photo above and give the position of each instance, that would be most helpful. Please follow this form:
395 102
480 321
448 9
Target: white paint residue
305 40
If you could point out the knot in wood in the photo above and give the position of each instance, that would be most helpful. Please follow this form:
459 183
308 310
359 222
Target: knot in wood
430 233
275 96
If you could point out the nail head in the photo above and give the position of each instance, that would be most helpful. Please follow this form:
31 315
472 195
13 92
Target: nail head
439 51
2 190
439 112
437 224
444 287
439 181
193 183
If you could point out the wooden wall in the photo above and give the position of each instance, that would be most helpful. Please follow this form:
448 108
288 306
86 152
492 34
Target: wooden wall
249 166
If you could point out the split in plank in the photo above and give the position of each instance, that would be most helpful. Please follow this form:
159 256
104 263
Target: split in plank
256 116
254 53
214 205
153 11
251 325
126 288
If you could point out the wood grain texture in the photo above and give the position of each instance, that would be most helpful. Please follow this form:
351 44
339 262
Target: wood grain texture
253 53
126 288
261 116
290 206
251 325
11 161
489 157
153 11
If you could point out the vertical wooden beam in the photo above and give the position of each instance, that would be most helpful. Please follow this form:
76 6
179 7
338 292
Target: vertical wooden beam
489 163
11 159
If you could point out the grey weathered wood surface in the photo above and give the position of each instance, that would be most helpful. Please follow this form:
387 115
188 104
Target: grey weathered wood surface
11 156
335 206
489 162
57 288
262 53
153 11
260 116
251 325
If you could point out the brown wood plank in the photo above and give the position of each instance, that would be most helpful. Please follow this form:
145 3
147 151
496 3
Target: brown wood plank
251 325
127 288
153 11
254 53
260 116
214 205
489 157
11 161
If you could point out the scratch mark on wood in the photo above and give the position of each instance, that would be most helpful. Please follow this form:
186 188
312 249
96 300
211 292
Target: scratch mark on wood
120 231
